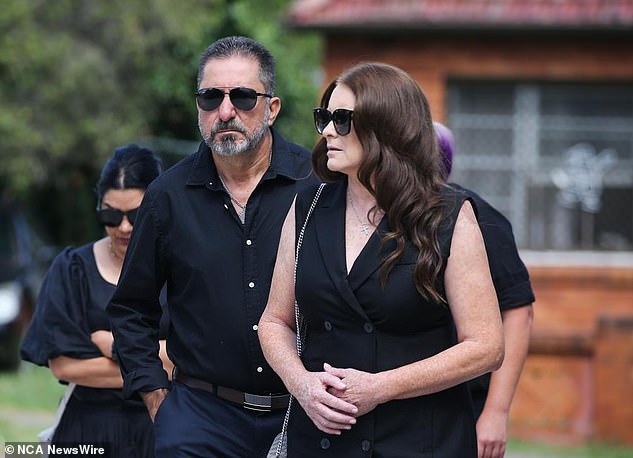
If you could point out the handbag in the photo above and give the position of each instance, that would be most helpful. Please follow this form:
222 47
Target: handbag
46 435
279 447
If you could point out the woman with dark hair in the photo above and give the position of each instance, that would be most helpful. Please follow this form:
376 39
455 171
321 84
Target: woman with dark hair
70 331
392 283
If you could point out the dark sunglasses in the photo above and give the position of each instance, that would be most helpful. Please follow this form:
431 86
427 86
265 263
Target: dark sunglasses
242 98
341 118
112 217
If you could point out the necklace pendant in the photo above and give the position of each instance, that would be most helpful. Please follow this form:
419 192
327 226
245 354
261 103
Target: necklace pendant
364 228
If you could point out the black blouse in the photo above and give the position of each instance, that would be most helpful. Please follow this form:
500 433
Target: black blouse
70 306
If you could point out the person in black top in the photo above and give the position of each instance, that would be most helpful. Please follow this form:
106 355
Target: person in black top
70 331
209 229
392 262
492 393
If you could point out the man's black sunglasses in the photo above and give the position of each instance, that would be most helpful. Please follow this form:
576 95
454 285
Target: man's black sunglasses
341 118
242 98
112 217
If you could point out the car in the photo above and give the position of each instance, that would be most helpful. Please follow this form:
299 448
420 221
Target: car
24 259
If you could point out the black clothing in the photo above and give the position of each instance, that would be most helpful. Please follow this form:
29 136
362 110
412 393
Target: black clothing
217 272
509 275
192 422
122 429
352 322
71 305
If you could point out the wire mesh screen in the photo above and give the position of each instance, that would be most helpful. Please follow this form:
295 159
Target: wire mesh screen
556 159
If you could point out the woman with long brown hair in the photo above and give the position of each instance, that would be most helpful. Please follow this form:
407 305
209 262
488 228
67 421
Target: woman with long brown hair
392 283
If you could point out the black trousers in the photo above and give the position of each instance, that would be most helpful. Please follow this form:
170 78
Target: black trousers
195 423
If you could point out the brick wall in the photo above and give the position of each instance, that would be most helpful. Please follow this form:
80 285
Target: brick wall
434 60
577 384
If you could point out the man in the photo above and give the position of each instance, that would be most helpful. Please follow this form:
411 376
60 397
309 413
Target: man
492 393
209 228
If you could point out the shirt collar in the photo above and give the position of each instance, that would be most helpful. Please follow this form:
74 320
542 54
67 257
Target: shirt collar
285 162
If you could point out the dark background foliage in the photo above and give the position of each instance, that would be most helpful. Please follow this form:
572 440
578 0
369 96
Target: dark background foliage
78 78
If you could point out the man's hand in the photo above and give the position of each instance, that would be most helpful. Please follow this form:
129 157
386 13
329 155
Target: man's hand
153 400
491 434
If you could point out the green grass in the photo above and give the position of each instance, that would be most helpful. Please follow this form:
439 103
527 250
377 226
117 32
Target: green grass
588 451
28 401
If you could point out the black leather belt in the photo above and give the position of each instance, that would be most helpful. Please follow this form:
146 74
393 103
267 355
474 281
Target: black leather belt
261 403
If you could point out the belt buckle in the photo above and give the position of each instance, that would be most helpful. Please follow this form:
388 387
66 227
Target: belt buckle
257 402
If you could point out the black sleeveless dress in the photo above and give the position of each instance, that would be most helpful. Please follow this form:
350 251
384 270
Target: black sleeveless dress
352 322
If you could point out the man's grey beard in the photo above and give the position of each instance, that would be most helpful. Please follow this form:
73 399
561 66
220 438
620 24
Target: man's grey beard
228 146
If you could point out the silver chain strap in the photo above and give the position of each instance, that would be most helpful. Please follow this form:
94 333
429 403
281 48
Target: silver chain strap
284 428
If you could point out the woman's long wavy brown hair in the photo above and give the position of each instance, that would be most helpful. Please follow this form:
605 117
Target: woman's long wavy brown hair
401 169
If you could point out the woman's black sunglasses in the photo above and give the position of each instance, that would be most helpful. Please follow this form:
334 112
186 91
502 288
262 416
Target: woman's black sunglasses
341 118
242 98
112 217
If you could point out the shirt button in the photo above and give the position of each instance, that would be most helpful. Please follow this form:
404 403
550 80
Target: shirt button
365 445
251 285
255 327
248 242
325 444
327 325
260 369
369 328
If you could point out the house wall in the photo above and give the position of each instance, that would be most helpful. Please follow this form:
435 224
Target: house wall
432 61
577 384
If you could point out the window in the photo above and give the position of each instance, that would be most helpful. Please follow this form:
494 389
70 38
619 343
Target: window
556 159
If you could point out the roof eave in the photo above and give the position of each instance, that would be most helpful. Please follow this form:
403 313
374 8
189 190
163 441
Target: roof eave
459 29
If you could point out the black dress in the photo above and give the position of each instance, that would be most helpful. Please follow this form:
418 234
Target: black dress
353 322
71 305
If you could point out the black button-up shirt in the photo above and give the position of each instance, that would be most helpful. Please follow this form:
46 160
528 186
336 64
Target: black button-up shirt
218 273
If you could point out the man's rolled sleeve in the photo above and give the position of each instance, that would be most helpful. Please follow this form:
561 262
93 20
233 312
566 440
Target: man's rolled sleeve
144 380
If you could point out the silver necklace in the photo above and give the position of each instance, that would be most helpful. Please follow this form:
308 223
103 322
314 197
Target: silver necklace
241 213
364 227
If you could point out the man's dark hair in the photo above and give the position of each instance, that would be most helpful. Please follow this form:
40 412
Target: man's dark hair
245 47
